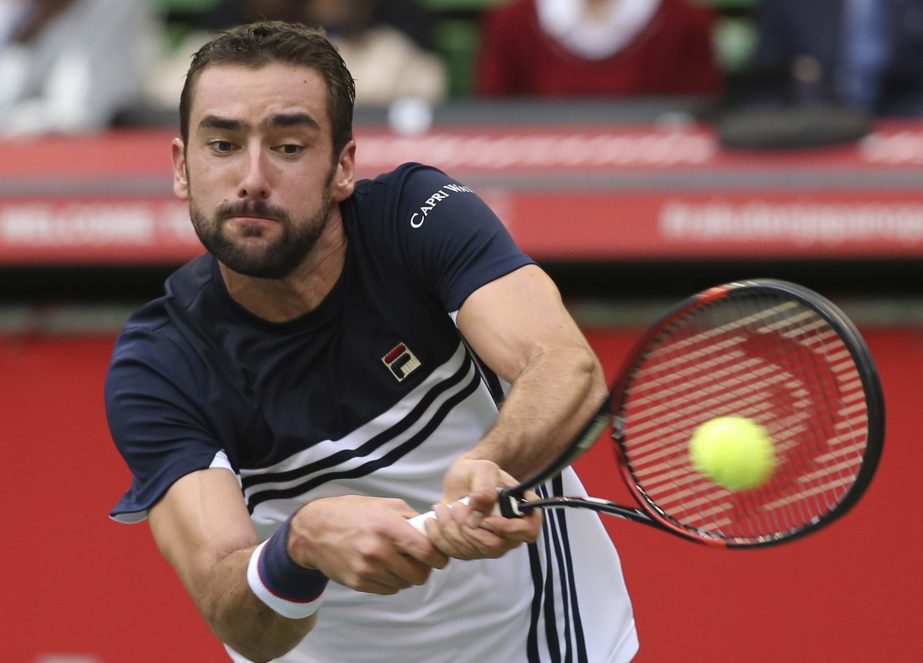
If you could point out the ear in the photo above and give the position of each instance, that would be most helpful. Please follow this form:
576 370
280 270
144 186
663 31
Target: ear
344 180
180 176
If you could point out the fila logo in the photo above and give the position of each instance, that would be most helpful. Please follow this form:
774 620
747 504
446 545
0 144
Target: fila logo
401 361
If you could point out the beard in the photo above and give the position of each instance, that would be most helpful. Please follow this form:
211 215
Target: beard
273 260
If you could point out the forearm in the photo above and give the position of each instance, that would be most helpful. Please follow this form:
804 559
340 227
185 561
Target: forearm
261 599
558 390
202 528
240 619
554 396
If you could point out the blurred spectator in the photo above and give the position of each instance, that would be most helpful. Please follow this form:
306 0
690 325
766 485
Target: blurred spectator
597 48
70 65
407 16
384 43
228 13
860 54
165 82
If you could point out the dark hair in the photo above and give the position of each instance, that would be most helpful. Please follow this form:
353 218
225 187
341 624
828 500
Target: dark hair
258 44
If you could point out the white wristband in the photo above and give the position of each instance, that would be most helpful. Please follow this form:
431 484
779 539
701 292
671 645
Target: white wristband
287 607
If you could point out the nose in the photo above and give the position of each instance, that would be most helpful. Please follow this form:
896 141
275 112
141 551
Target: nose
254 184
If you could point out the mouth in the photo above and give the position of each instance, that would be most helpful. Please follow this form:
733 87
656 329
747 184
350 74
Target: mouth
251 218
252 212
250 225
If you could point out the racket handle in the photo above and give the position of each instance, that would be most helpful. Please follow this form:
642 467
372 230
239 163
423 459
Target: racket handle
419 522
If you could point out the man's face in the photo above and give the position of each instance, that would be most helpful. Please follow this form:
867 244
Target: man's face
258 170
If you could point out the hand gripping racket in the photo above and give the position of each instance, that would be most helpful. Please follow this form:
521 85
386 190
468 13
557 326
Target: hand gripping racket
774 352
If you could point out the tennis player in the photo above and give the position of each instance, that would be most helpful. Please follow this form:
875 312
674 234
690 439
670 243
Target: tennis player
335 364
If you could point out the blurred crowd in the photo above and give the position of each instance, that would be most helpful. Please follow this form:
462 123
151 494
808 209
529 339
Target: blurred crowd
85 65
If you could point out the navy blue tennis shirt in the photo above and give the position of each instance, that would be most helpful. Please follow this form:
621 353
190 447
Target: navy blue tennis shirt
194 374
372 393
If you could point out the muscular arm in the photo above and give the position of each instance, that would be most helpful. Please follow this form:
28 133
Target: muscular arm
203 529
519 326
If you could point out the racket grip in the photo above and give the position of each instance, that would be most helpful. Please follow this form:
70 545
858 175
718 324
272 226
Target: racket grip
419 522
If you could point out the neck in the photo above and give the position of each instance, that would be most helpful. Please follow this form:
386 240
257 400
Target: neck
281 300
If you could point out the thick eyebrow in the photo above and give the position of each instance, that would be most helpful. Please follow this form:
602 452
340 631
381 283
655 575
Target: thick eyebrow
276 121
215 122
290 120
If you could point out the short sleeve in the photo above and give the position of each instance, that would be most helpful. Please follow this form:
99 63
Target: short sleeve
157 427
450 237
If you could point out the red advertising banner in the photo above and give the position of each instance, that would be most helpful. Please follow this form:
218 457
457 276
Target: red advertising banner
714 225
566 193
95 230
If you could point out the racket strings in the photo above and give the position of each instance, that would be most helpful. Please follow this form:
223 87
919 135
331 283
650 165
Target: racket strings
766 358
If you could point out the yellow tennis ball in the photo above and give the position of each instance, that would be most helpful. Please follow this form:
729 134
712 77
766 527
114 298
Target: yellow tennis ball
734 452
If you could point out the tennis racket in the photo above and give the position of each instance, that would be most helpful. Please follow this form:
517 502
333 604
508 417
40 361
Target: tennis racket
772 351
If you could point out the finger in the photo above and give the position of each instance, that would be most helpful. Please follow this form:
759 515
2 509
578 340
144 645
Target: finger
373 578
480 542
396 572
483 479
507 480
404 571
419 547
467 522
450 518
370 586
524 529
446 534
464 540
400 507
485 502
475 507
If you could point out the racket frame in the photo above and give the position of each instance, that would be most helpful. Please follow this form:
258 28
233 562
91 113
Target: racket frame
511 501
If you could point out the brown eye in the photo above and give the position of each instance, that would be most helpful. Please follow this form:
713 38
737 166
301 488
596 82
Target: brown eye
221 146
290 149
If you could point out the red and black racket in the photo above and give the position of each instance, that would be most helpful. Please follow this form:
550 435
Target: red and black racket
771 351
